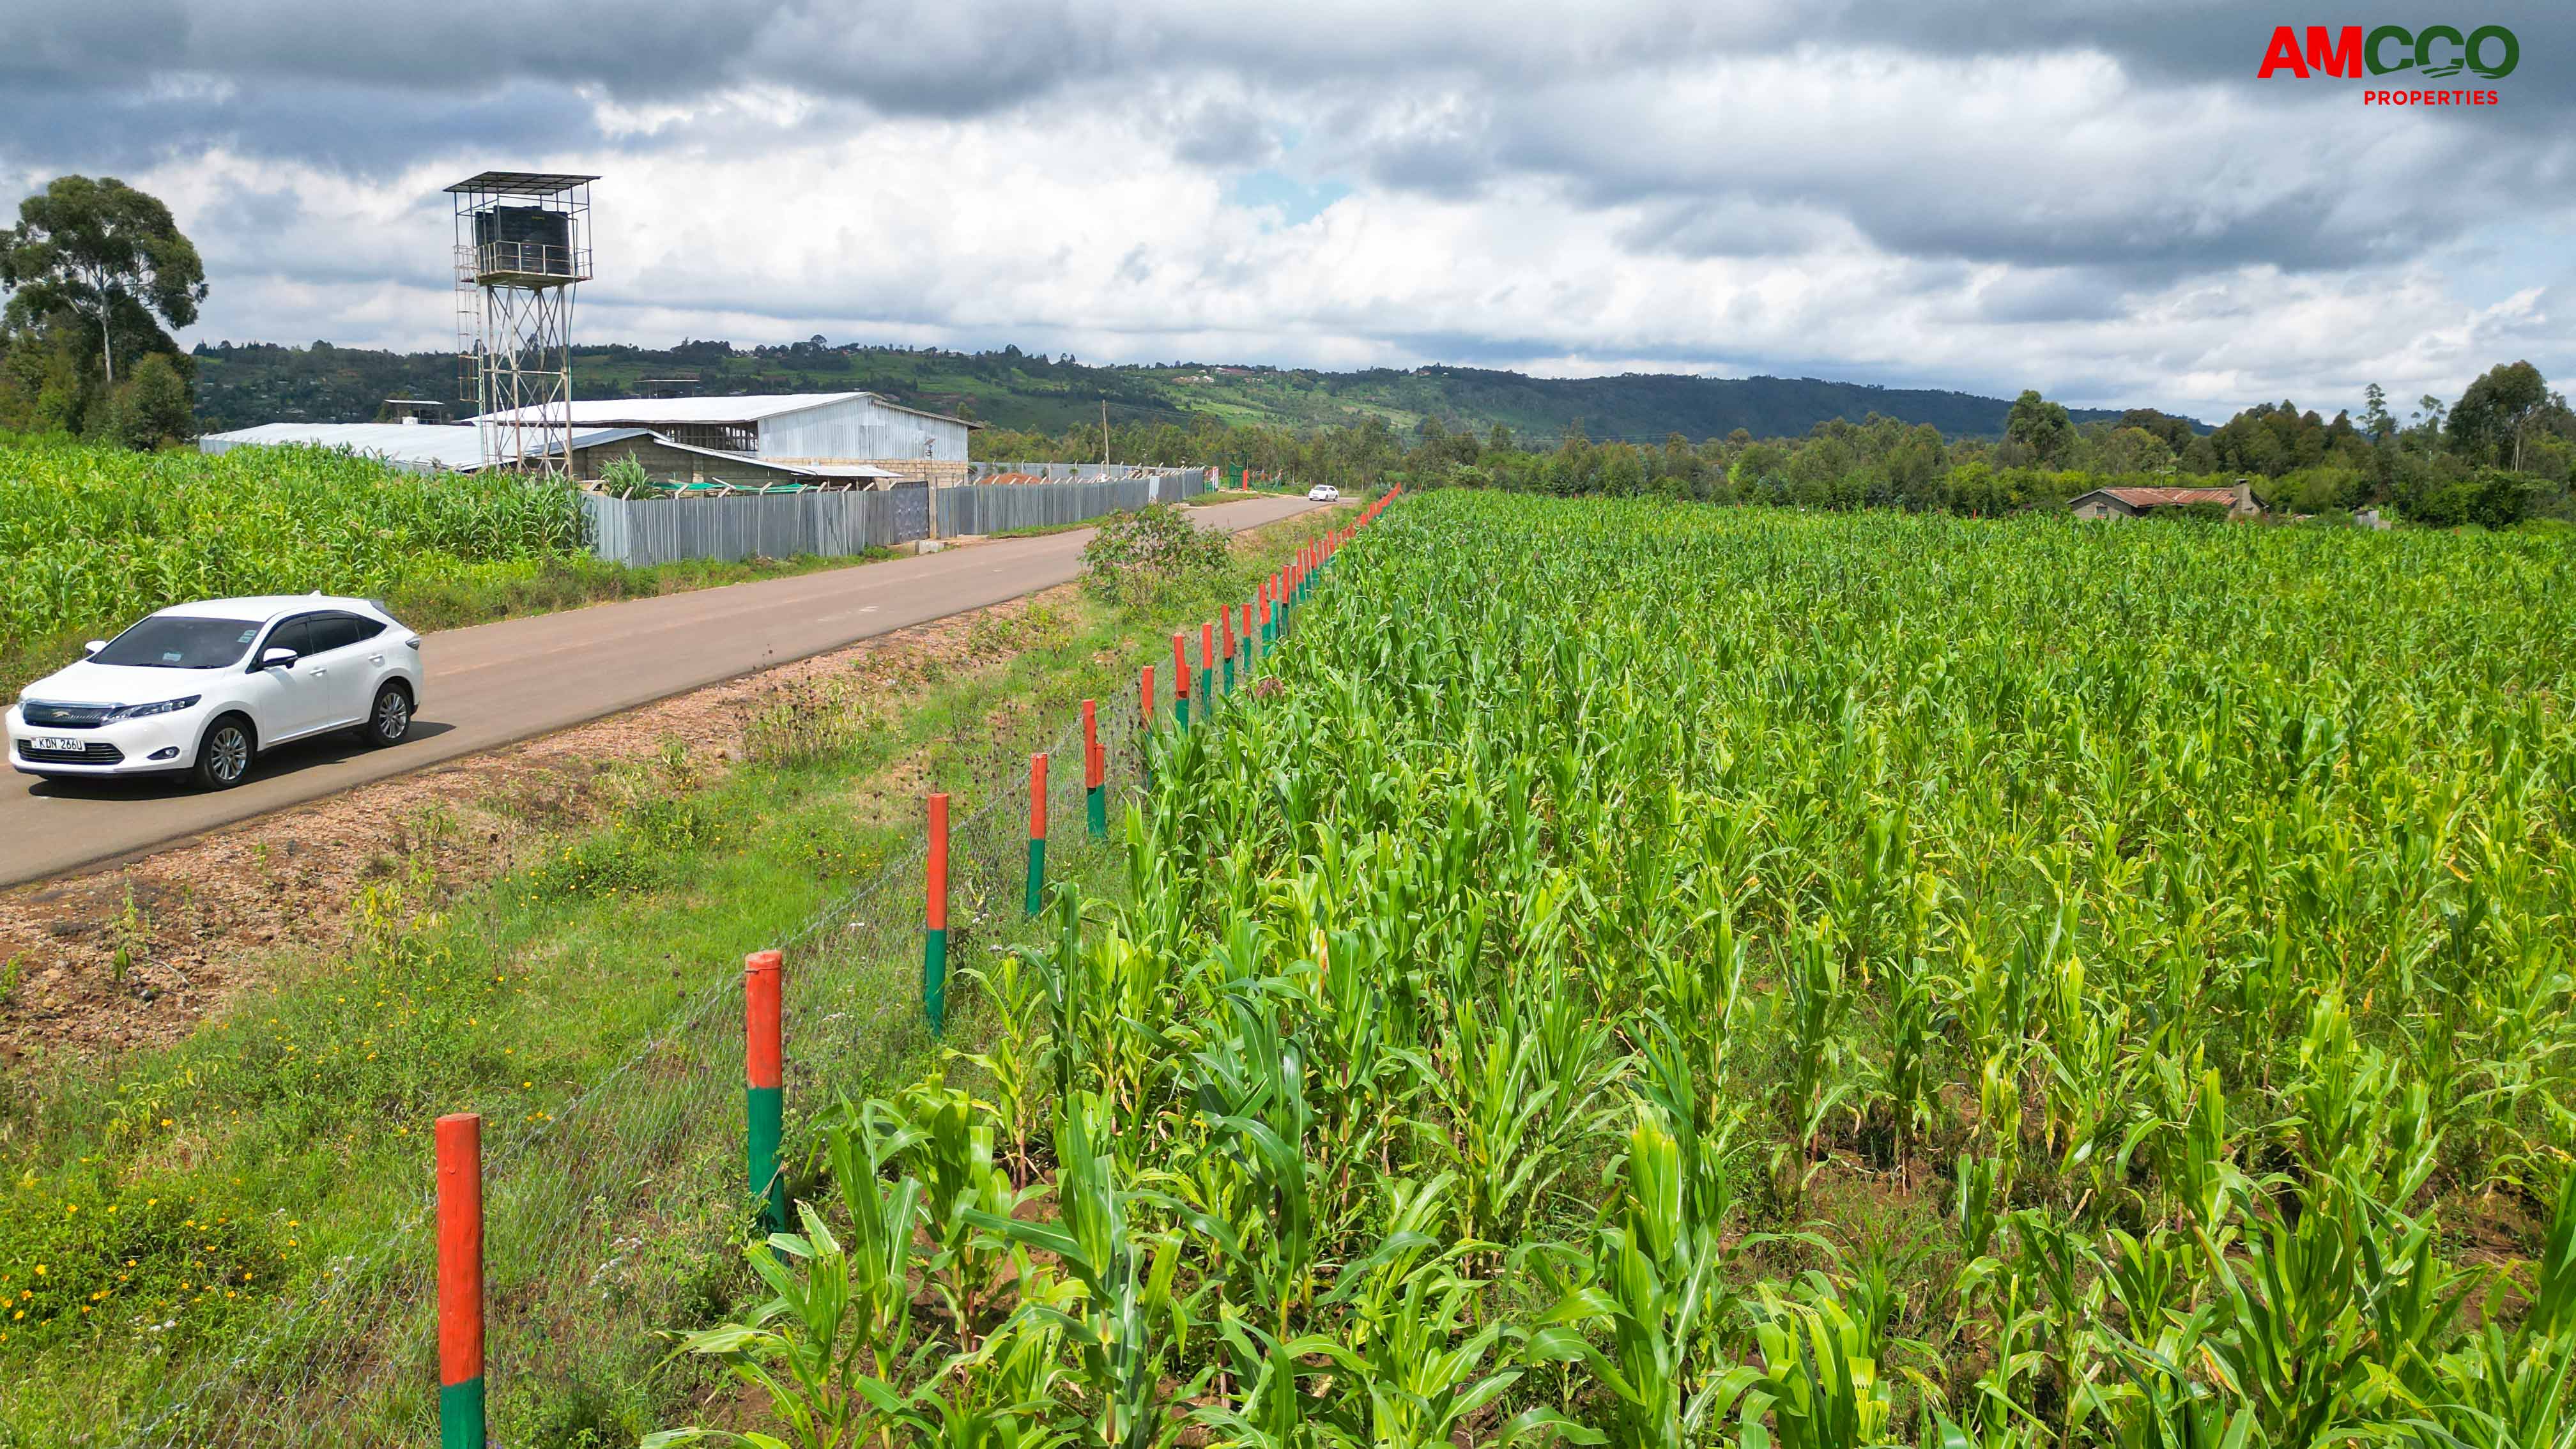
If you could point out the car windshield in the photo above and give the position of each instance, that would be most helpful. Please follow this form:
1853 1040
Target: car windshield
171 641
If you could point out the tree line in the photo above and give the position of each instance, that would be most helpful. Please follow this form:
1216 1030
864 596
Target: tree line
2504 451
97 272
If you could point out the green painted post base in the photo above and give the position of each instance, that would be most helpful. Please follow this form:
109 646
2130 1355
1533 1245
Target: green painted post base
1229 674
1095 811
460 1415
1181 711
934 980
1037 873
1205 692
766 1109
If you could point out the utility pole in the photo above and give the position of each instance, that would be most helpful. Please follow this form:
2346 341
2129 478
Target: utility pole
1104 432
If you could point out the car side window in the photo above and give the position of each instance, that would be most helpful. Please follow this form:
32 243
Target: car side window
362 628
289 635
331 631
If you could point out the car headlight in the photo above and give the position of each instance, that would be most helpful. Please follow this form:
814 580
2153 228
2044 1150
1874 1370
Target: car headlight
167 706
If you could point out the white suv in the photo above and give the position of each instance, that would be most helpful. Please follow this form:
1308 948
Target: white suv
203 688
1323 493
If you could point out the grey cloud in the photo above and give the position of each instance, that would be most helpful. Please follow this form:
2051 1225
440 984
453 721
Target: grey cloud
1733 226
1450 99
336 126
1222 132
2062 294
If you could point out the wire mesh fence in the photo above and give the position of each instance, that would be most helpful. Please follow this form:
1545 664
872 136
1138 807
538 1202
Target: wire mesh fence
587 1208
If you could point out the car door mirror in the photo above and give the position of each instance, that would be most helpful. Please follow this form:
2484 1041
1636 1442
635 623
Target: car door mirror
277 659
92 647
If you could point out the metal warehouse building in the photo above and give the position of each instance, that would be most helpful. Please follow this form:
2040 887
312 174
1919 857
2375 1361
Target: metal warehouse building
435 448
822 433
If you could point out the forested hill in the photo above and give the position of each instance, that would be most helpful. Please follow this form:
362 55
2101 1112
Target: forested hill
1644 407
238 386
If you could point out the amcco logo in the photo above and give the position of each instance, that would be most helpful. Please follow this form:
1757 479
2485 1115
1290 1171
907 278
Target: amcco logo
2434 52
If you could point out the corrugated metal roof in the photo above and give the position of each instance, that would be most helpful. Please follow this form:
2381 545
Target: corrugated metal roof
2157 497
750 408
453 448
519 183
647 411
925 413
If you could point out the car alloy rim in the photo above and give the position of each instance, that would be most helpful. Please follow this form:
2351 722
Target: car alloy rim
231 753
391 712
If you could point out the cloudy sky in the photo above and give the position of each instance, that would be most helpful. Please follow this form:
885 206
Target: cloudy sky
2096 199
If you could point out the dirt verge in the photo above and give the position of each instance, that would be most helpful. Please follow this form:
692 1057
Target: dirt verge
135 954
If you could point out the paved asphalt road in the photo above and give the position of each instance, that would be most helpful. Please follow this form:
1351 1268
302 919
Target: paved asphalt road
495 683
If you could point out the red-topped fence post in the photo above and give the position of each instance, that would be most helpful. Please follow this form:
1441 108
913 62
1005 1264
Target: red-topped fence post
460 1281
1095 804
1207 668
934 953
1037 830
763 1052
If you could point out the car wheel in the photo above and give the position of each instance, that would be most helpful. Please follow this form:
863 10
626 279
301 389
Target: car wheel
389 718
224 756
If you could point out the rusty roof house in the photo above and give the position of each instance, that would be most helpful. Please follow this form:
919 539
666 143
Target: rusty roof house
2138 502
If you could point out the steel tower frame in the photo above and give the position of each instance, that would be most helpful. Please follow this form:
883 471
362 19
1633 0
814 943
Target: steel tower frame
514 302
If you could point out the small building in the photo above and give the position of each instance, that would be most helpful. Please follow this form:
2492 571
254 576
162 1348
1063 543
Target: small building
2138 502
412 410
2372 518
818 430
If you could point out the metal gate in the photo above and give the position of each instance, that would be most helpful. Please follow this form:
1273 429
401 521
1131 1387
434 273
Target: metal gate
911 511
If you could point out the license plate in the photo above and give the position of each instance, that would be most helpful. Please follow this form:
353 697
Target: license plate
61 742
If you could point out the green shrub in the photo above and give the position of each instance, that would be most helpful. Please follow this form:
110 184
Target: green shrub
624 478
2490 497
1134 557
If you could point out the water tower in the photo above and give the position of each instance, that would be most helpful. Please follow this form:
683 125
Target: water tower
522 245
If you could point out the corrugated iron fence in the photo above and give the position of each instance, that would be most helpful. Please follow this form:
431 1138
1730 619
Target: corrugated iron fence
641 531
1035 505
1074 472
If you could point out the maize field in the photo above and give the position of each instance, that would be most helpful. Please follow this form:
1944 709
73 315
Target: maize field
1655 975
94 538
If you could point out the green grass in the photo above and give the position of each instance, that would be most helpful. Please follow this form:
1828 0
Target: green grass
287 1138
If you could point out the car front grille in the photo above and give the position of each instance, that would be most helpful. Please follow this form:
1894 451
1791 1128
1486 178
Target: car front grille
96 752
65 716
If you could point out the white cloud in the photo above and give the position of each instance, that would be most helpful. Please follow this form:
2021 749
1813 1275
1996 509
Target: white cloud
2110 214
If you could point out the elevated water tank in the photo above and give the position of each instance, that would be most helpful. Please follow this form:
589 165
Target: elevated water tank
524 240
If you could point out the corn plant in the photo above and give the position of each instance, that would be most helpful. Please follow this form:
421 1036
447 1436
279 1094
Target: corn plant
2154 990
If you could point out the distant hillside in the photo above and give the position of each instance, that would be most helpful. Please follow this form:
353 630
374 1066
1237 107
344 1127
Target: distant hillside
263 382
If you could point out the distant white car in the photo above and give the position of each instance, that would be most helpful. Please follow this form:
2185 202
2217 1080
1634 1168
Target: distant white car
1323 493
203 688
